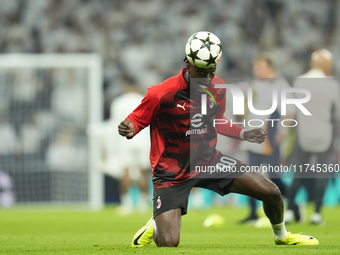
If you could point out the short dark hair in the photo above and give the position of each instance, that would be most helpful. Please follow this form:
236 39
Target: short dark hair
266 56
186 60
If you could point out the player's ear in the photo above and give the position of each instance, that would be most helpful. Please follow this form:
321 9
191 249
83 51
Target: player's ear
189 67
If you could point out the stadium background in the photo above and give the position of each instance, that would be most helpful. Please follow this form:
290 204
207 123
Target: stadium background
143 42
140 41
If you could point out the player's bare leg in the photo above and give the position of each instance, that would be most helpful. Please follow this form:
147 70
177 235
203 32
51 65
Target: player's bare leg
261 188
164 229
168 228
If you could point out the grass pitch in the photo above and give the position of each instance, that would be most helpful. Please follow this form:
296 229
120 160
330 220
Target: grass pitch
28 232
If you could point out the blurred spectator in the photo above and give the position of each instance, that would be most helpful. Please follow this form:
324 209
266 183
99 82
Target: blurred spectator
133 155
62 154
46 122
16 38
8 137
31 136
6 190
5 93
267 153
125 160
69 95
315 134
25 87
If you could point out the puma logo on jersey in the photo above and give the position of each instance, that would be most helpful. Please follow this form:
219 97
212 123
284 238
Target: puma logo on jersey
182 106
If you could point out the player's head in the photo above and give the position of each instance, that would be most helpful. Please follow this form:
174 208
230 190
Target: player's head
206 74
203 50
322 60
264 66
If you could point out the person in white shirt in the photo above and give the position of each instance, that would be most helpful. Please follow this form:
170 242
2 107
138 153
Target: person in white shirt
133 155
315 133
122 159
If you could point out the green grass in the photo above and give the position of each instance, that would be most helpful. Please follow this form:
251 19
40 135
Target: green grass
29 232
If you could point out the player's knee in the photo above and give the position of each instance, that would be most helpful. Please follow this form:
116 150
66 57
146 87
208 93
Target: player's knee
273 194
167 241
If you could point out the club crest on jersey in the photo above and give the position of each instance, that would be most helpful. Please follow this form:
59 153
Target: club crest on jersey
158 203
211 102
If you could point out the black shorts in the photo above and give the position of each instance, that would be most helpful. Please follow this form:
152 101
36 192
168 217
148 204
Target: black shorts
165 199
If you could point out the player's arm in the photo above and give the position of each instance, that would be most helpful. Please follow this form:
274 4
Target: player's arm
232 131
257 135
145 113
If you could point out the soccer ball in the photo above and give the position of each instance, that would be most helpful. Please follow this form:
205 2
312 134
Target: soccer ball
203 49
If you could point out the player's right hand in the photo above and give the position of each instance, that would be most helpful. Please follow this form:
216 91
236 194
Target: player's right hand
126 128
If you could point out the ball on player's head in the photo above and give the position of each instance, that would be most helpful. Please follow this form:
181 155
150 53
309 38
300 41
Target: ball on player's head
203 49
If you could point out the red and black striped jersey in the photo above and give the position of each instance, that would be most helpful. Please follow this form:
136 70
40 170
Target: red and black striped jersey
180 134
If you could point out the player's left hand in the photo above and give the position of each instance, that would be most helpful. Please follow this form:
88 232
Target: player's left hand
257 135
126 128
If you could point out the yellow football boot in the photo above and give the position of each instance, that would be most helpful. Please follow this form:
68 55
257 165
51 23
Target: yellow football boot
297 239
144 236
